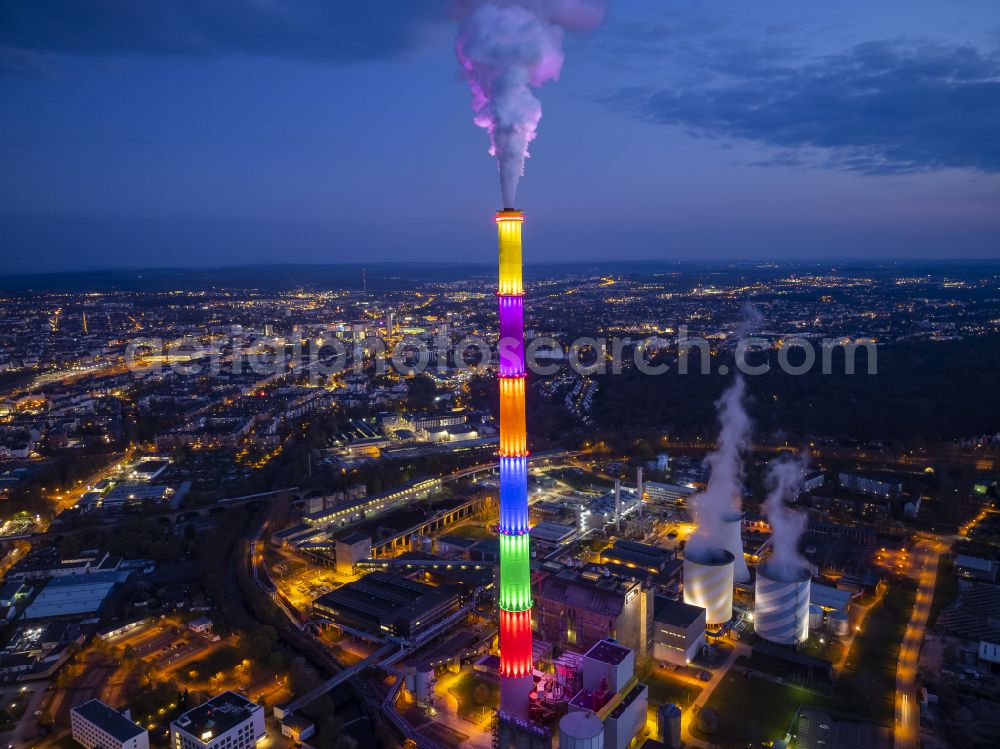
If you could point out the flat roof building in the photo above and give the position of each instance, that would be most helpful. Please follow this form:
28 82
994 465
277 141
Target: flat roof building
228 720
678 631
634 554
98 726
388 604
353 512
76 596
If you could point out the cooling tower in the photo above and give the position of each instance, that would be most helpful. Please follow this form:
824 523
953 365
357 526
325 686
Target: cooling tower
732 541
781 607
708 582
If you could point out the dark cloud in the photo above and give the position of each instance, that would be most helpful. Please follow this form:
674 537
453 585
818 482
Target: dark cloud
331 30
883 107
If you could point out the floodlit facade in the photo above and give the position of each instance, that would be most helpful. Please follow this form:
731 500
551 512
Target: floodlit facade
228 721
98 726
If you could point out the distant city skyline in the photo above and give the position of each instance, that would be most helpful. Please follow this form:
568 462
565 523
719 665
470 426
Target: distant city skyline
180 137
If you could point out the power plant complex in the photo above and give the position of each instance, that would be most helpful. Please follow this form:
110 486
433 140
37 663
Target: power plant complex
610 712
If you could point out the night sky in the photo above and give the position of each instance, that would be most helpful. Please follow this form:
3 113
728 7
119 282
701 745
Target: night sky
225 132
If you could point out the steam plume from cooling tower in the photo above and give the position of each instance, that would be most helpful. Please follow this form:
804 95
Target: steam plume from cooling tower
722 495
784 477
507 48
752 320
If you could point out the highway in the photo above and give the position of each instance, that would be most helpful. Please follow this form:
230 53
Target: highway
906 728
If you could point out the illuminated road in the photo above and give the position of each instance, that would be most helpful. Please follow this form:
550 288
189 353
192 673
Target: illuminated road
906 729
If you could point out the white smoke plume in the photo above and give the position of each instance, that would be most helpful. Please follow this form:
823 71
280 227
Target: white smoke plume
752 320
784 479
507 48
723 493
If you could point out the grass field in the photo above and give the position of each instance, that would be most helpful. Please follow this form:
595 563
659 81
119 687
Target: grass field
755 710
12 707
945 588
868 682
473 694
665 688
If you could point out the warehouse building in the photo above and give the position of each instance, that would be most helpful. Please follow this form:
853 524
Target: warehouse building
381 603
74 597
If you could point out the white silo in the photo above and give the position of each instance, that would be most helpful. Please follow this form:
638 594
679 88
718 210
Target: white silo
732 541
708 582
781 605
815 616
581 730
423 677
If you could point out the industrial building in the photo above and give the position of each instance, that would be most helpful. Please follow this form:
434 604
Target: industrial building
75 596
669 495
636 555
880 485
612 694
352 512
678 631
578 608
350 549
228 720
98 726
381 603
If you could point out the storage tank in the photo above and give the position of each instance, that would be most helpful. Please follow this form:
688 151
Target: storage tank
422 678
581 730
732 541
668 725
815 616
838 623
781 604
708 582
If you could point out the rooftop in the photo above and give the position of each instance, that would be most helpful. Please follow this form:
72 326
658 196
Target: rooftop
216 716
109 720
354 537
675 613
74 595
608 651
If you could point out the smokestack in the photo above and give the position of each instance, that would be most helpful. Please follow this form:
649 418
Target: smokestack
516 665
618 504
638 487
